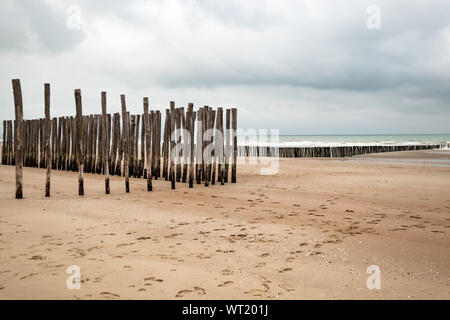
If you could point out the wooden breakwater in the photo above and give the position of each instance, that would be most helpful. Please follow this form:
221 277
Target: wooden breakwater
328 152
188 146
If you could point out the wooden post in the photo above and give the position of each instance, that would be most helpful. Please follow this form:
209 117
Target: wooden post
206 158
86 141
153 144
172 142
119 164
80 156
7 142
116 134
97 147
220 146
126 133
4 143
104 149
132 143
215 150
12 160
143 132
199 154
108 140
234 134
68 127
166 145
212 162
26 142
18 106
66 143
73 157
147 145
191 144
227 146
59 144
204 128
185 125
48 151
136 147
41 143
178 141
158 141
69 135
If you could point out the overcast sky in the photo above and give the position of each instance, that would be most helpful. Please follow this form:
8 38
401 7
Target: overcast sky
305 67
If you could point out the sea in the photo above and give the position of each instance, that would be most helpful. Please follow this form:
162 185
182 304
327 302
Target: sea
346 140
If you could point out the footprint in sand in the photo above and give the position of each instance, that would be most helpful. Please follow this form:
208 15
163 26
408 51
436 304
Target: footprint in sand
227 272
29 275
109 295
198 290
285 270
182 293
144 238
286 287
153 279
226 284
38 257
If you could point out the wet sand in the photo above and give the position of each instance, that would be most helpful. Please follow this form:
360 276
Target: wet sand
309 232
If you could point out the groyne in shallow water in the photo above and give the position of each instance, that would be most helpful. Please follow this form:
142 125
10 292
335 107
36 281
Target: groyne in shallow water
328 152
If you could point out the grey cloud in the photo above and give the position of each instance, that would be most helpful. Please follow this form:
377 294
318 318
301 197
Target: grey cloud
305 60
33 26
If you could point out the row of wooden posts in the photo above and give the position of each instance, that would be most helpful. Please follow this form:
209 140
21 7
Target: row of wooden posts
194 145
328 152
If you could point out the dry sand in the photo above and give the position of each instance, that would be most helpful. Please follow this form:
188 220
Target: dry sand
310 231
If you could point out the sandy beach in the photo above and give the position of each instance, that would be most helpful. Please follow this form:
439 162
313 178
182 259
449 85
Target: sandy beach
308 232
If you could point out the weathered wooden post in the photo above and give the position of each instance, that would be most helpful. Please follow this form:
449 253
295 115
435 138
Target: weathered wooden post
220 146
143 133
7 143
158 140
48 151
235 149
73 158
172 142
115 140
166 146
227 146
178 112
147 145
18 106
152 119
80 155
206 157
133 145
104 148
4 143
185 125
125 139
191 118
199 151
214 153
